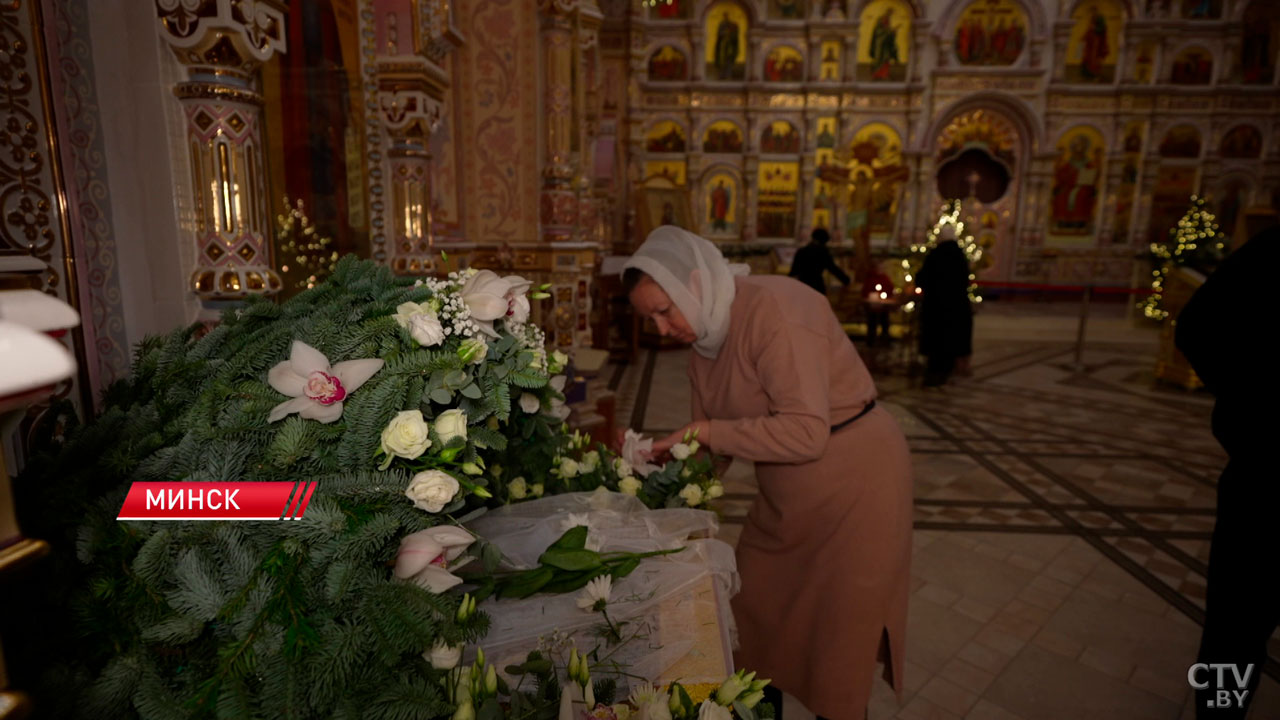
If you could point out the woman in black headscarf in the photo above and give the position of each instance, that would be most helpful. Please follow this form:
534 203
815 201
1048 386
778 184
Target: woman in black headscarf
946 319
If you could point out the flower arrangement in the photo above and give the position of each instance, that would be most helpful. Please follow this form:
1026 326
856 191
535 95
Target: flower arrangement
412 404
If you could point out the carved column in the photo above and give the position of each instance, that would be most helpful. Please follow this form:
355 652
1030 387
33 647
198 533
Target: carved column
559 202
411 83
222 45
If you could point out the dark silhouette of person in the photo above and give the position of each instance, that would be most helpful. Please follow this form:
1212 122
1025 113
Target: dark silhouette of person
1220 333
946 318
813 260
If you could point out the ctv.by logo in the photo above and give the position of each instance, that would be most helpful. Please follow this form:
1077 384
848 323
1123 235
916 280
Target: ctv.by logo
1223 698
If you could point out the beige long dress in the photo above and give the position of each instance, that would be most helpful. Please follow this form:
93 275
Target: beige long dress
826 549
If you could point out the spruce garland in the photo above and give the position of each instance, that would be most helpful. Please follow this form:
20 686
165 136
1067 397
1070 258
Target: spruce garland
270 619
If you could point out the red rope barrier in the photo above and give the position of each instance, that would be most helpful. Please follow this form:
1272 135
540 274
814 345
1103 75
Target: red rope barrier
1099 289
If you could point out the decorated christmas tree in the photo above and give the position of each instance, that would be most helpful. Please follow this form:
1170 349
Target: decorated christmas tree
949 214
1195 242
305 253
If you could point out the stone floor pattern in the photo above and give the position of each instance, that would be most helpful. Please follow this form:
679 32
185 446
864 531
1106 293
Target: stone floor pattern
1063 518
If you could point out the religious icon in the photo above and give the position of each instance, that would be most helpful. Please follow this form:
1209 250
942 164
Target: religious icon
1075 182
826 132
833 9
662 206
1145 62
720 204
787 9
1202 9
779 137
830 60
668 214
726 42
779 184
667 63
672 9
1241 142
784 64
1261 37
722 137
665 137
884 41
1093 48
1193 66
991 32
1182 141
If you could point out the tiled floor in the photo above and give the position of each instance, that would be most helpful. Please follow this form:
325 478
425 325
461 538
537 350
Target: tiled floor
1063 518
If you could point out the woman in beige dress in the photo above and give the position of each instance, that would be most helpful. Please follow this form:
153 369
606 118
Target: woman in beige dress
825 553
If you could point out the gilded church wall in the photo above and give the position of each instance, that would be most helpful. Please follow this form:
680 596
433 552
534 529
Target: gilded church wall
1097 119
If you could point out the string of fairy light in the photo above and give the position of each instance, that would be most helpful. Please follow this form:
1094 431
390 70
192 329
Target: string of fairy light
1195 236
297 238
949 214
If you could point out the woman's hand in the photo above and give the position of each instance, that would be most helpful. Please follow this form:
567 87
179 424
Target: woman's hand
701 429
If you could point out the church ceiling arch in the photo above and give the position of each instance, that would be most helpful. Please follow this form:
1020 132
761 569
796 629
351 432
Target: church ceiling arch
1093 48
1009 117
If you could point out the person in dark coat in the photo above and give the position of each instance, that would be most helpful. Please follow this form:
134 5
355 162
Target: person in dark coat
946 319
813 260
1223 333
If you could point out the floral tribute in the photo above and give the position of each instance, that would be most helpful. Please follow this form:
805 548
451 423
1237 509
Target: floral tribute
415 405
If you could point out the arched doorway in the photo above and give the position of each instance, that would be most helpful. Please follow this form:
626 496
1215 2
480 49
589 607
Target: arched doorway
978 158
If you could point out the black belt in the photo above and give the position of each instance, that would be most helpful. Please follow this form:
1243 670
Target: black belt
865 409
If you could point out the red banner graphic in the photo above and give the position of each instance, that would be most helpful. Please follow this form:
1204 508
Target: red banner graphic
217 500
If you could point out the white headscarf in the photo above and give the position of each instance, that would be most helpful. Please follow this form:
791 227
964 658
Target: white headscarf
691 270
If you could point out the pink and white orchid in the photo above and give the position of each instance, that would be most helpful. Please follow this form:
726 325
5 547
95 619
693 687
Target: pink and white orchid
637 450
316 389
490 298
426 556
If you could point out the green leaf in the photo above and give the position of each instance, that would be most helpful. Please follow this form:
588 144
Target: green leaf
625 568
526 583
441 396
572 582
575 538
472 391
572 560
490 710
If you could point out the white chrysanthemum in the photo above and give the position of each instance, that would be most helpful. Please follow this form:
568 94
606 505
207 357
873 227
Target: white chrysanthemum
596 594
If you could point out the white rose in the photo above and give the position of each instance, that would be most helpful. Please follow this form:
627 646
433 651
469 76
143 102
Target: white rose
590 461
621 467
715 490
431 490
692 494
693 446
473 350
421 322
536 490
680 451
451 424
568 467
711 711
518 488
444 657
407 435
529 402
629 486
